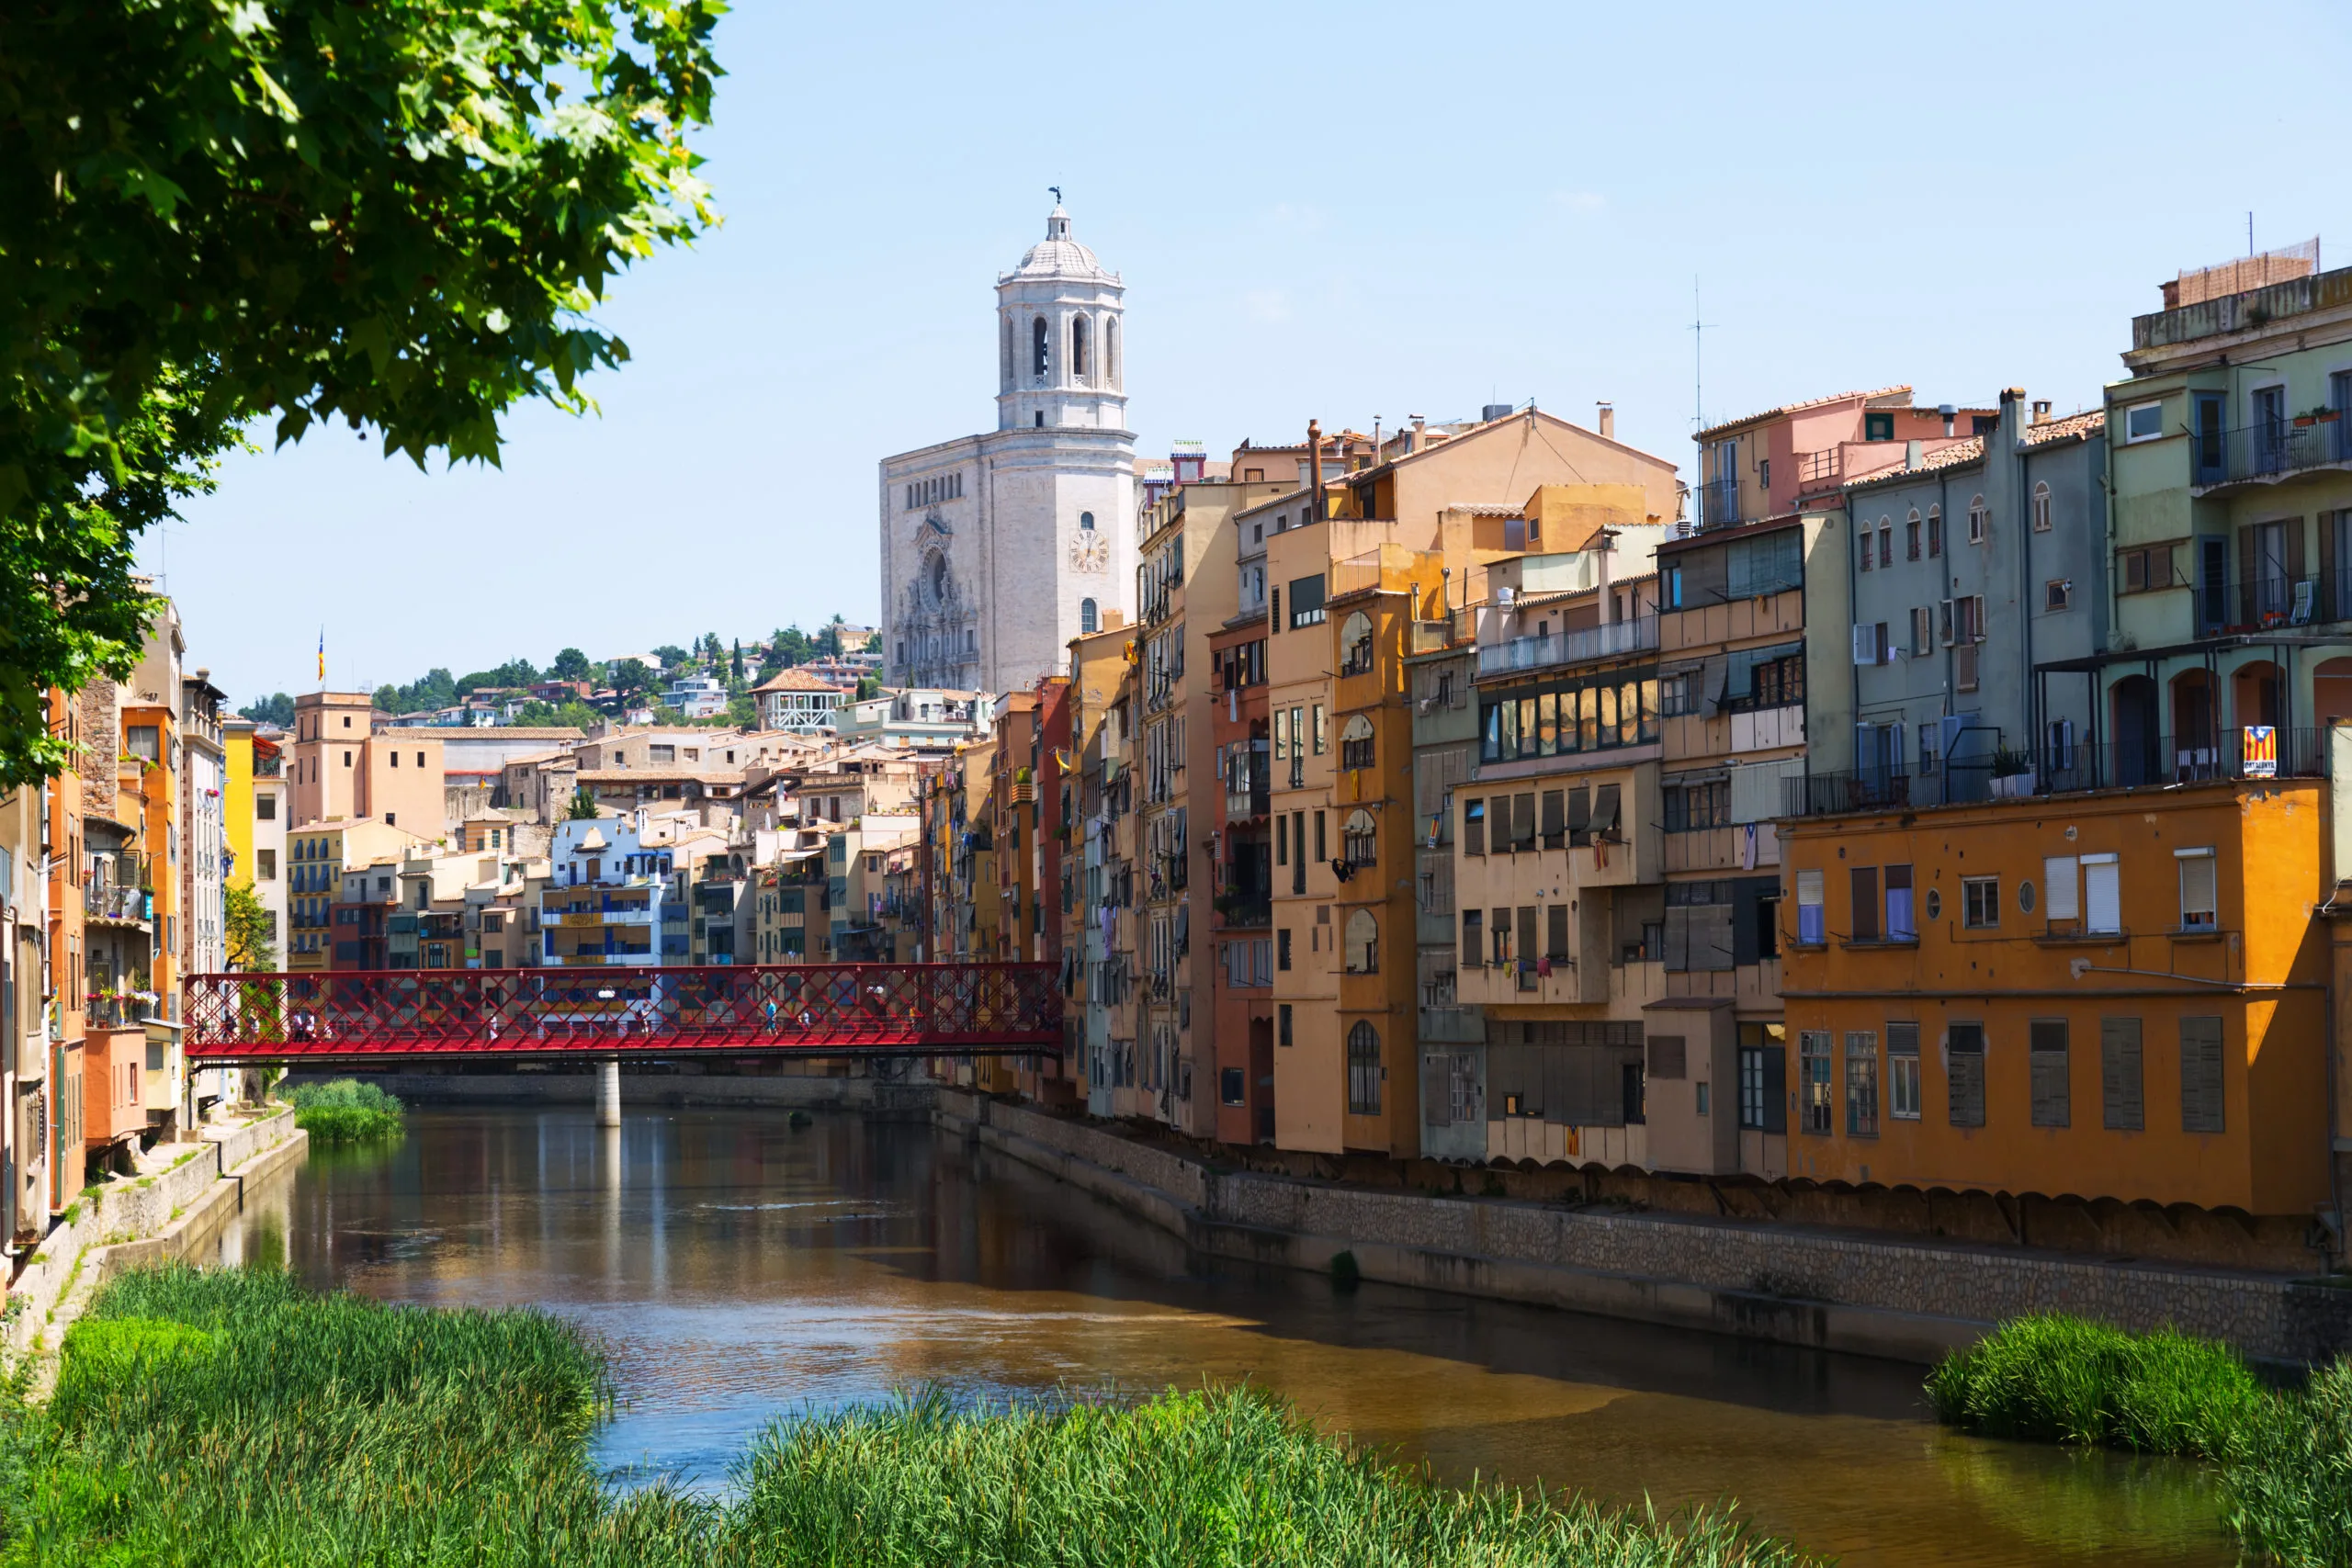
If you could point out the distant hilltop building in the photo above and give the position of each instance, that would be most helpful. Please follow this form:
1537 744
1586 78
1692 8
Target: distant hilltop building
998 548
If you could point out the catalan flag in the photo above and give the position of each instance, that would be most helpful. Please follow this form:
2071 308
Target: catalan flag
323 655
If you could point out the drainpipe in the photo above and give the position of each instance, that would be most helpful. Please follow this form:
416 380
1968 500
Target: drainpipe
2024 513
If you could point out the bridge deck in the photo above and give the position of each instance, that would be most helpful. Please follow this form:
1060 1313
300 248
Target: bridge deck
818 1009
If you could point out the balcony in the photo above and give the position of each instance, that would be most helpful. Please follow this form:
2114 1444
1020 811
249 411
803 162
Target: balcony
1618 640
1455 630
106 904
2270 450
2272 599
2160 760
1820 469
1719 504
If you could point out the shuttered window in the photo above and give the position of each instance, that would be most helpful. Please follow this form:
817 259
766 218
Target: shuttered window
1522 822
1865 912
2122 1105
1556 819
1900 927
1861 1083
1812 1081
1527 953
1474 827
1555 932
2102 894
2201 1074
1668 1057
2046 1066
2200 907
1437 1097
1964 1075
1474 939
1580 814
2060 899
1903 1071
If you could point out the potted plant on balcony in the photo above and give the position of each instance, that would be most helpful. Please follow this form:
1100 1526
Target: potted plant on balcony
2012 774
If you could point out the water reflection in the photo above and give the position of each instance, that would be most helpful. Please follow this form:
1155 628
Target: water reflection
736 1268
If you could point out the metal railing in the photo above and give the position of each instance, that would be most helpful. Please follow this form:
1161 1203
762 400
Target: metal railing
2269 449
1615 641
1821 467
2060 770
2270 600
1719 504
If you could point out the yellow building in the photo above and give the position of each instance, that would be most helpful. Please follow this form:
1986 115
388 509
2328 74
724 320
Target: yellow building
2118 996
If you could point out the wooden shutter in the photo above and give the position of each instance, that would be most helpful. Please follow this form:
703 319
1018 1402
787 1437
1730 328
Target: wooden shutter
2201 1074
1526 952
1522 822
1555 931
2102 894
1678 937
1864 919
1474 827
1580 813
2331 607
2047 1064
1669 1058
2122 1107
1964 1076
1710 937
2248 564
2293 528
1437 1098
1555 816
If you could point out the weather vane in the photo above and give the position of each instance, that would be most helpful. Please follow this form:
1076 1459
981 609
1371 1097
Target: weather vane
1058 193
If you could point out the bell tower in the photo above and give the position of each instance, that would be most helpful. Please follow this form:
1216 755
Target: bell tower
1061 342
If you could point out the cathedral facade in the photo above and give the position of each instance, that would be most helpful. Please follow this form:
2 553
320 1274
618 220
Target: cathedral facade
998 548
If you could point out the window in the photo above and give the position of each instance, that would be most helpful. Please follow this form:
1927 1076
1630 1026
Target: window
1474 939
1474 827
1282 1025
1674 696
144 741
2102 894
1862 1084
1964 1078
1078 354
1753 568
1903 1071
1362 954
1899 924
2058 594
2201 1074
1886 543
1865 553
2042 508
2121 1088
1911 535
1306 601
1089 617
1282 950
2199 906
2059 878
1038 347
2046 1062
1812 927
1673 588
1229 1086
1878 428
1980 907
1865 910
1364 1070
265 864
1355 645
1319 745
1977 519
2144 422
1763 1065
1360 839
1556 933
396 758
1356 744
1812 1081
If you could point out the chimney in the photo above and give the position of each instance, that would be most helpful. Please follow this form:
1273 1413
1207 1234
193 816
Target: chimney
2041 411
1951 417
1608 422
1912 450
1418 426
1314 465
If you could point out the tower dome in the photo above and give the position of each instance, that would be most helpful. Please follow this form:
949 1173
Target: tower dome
1058 255
1060 355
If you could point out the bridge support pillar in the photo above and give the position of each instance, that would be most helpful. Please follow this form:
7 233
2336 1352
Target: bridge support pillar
608 1092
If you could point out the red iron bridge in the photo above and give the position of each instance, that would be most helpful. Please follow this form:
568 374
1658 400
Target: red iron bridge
454 1015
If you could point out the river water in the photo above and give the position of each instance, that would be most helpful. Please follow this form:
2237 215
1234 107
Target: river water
738 1268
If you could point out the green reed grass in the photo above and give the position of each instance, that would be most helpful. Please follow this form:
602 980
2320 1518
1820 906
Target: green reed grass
231 1418
2059 1379
343 1110
2287 1486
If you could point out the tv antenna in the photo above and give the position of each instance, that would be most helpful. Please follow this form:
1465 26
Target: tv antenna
1697 359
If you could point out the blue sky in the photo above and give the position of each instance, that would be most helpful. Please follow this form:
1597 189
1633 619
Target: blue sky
1320 211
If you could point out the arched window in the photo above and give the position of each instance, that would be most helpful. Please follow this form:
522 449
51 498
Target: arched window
1089 618
1363 948
2042 508
1086 522
1911 535
1979 519
1360 836
1364 1067
1040 348
1355 645
1935 532
1004 370
1355 744
1111 353
1863 535
1078 360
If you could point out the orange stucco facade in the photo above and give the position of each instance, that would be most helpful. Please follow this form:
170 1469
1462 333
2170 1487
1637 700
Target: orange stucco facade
2139 974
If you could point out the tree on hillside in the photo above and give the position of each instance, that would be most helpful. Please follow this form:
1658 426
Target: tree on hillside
277 708
735 663
396 216
631 678
671 655
569 665
743 711
582 807
513 673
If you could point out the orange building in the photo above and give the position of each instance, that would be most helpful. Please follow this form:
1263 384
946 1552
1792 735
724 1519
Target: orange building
2118 996
66 871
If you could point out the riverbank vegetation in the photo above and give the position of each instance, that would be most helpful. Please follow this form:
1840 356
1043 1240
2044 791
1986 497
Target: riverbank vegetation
2284 1456
345 1111
231 1418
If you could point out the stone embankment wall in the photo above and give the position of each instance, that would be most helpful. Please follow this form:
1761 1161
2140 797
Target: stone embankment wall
1835 1290
664 1090
187 1188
